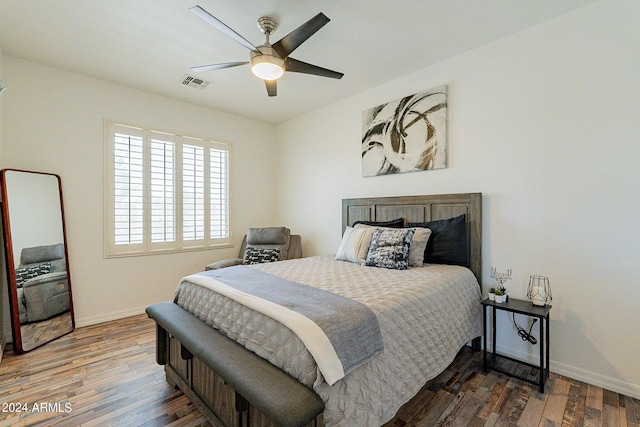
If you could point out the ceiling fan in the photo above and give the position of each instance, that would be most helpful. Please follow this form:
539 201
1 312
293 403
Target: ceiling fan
270 61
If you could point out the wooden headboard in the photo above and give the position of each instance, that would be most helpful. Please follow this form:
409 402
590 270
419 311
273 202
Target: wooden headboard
421 209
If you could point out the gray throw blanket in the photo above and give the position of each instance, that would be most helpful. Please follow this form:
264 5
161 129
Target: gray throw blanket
351 327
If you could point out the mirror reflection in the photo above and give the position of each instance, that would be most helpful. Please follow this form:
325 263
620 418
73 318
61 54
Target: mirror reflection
36 258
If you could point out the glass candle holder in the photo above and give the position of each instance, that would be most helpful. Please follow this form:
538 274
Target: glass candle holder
539 290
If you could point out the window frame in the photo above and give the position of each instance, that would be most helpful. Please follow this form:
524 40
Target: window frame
179 244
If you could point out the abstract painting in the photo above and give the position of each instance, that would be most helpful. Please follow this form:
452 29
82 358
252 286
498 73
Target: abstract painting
406 135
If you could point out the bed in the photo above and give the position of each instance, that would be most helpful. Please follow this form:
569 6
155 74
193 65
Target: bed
424 315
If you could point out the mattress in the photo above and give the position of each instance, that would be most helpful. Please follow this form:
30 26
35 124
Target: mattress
426 314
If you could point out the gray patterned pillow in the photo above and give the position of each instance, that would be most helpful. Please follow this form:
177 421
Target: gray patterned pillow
390 249
260 255
25 273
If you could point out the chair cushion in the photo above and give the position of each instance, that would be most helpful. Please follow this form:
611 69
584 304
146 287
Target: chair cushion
224 263
36 255
270 238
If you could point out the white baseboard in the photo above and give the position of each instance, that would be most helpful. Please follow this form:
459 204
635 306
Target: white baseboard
92 320
612 384
608 383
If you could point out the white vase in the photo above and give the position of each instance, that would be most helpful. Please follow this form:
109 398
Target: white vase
492 296
501 298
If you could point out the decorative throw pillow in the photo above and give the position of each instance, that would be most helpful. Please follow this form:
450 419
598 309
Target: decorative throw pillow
418 246
390 249
448 243
25 273
394 223
418 243
355 243
260 255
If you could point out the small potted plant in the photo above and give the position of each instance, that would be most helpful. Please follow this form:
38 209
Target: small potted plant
500 295
492 294
500 278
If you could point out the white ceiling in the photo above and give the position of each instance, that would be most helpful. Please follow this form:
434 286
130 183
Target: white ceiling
151 44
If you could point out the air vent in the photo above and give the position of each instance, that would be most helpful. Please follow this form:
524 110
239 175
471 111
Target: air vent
193 81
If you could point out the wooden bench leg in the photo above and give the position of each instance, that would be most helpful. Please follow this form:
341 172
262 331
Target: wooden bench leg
475 344
242 407
185 354
162 346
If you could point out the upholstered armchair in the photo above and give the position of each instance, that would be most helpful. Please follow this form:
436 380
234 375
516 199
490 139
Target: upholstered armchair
41 279
264 245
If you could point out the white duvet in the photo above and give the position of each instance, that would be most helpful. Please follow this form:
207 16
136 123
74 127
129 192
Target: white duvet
426 315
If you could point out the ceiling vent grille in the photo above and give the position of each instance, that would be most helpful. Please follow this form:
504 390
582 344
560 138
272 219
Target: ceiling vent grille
196 82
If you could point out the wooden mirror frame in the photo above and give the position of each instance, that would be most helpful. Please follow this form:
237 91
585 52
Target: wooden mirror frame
18 342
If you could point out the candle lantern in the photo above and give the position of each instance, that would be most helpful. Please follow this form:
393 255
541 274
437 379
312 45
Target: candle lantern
539 290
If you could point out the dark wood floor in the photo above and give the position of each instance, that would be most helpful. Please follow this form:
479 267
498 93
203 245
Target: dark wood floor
34 334
105 375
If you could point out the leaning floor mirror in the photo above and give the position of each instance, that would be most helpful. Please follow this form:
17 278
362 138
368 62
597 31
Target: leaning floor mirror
36 258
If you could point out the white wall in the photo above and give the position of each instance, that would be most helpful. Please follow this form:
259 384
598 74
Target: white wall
53 122
2 77
5 320
34 213
1 109
545 124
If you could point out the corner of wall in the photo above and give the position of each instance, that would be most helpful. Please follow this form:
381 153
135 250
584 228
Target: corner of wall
2 161
3 282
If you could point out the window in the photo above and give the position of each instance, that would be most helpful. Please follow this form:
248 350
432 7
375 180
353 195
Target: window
164 192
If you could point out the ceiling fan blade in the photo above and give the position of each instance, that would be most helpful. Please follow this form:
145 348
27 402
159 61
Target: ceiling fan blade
291 41
272 87
296 66
212 67
222 27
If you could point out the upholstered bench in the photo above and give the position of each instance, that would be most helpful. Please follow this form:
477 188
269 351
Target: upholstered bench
271 391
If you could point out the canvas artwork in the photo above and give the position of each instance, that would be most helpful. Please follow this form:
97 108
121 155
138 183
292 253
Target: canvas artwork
406 135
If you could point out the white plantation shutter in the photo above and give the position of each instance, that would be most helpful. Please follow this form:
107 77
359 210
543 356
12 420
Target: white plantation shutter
192 192
128 189
165 192
162 182
219 192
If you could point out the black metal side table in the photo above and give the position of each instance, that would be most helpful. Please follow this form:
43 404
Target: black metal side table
491 360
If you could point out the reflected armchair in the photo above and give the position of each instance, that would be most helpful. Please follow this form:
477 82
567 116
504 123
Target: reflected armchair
43 288
264 245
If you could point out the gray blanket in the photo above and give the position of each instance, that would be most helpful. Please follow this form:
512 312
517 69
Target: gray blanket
352 327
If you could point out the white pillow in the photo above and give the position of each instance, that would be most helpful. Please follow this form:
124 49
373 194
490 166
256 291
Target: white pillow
418 242
355 243
418 246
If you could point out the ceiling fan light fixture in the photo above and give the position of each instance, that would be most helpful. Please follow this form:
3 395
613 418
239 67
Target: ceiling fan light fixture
269 62
267 67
